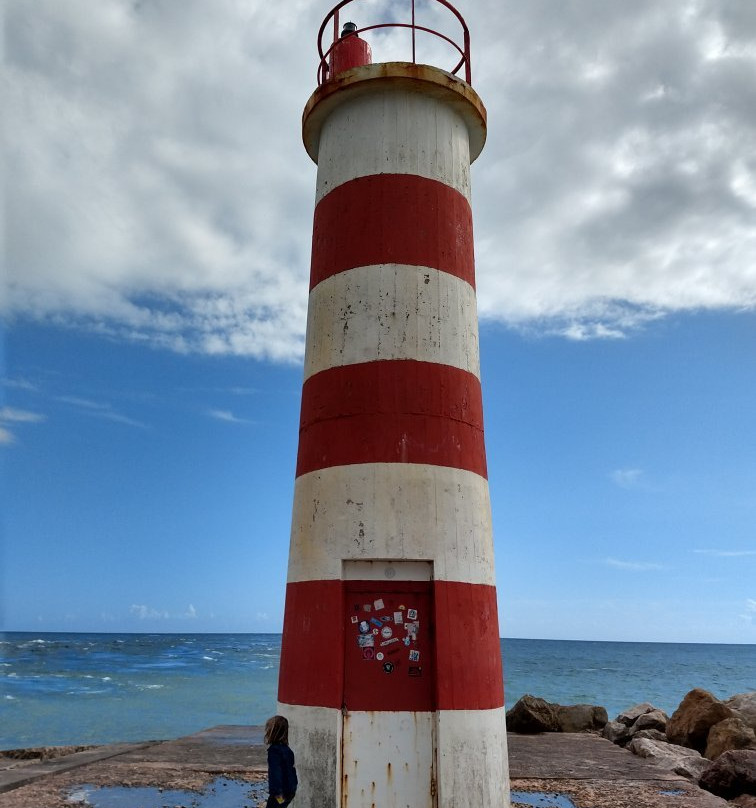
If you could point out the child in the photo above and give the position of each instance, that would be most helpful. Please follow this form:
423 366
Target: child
282 775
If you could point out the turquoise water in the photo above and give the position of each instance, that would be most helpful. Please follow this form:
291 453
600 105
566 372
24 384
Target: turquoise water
102 688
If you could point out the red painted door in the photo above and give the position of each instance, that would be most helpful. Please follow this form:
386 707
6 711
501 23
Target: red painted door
389 659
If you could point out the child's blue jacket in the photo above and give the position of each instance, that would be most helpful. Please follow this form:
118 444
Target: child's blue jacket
282 774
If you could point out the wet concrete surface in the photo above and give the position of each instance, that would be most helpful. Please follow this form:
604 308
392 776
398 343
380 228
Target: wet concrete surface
226 766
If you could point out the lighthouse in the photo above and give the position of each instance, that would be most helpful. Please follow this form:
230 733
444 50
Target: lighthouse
391 673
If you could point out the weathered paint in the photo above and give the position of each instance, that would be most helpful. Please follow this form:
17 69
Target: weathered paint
392 412
472 758
391 470
385 510
401 79
392 219
348 52
388 760
315 736
466 670
409 133
392 311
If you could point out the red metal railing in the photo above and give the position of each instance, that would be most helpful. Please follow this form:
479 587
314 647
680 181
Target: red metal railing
464 51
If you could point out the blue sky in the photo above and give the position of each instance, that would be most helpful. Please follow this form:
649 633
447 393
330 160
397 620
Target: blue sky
158 219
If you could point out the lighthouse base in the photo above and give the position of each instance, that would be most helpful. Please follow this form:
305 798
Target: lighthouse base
443 759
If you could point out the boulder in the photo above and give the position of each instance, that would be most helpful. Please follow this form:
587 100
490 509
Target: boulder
743 706
616 732
733 773
731 733
656 719
581 718
532 715
630 716
685 762
744 801
653 734
690 723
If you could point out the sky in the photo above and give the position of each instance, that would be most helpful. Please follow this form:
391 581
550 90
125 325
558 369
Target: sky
158 210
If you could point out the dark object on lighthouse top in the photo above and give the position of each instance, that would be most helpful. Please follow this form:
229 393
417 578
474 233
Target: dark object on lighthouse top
350 29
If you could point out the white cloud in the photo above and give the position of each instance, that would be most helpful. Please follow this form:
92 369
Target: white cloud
162 194
16 416
19 384
6 437
20 416
99 409
626 478
727 553
228 416
144 612
147 613
634 566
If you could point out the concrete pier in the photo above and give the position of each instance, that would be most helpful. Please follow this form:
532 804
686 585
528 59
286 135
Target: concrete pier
590 771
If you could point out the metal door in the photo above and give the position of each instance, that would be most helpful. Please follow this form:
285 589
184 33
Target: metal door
388 738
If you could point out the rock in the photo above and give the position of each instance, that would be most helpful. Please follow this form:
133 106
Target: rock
677 759
731 733
733 773
581 718
653 734
531 715
690 723
744 707
617 732
656 719
630 716
744 801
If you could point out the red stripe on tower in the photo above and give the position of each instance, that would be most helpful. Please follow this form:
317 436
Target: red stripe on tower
393 219
392 412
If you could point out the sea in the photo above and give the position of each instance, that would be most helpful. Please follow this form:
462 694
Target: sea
72 689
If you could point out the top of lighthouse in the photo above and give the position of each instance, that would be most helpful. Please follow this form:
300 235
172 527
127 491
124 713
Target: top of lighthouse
346 66
457 42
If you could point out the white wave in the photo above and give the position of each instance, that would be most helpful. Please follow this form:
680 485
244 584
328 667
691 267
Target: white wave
210 659
11 698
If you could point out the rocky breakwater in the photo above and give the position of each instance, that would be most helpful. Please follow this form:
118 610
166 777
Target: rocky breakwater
709 741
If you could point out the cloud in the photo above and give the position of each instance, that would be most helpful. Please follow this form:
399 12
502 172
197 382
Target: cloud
19 384
21 416
750 611
162 194
626 478
635 566
16 416
147 613
228 416
98 409
727 553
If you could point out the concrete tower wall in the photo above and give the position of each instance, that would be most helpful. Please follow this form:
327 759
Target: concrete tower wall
391 464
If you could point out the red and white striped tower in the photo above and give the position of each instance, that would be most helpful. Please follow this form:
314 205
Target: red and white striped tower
391 666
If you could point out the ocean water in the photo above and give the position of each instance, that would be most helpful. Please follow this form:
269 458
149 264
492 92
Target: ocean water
60 689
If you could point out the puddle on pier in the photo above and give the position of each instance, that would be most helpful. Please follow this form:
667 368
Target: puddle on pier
220 793
541 799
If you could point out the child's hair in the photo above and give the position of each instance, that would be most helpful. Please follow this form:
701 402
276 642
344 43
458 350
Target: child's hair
276 730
